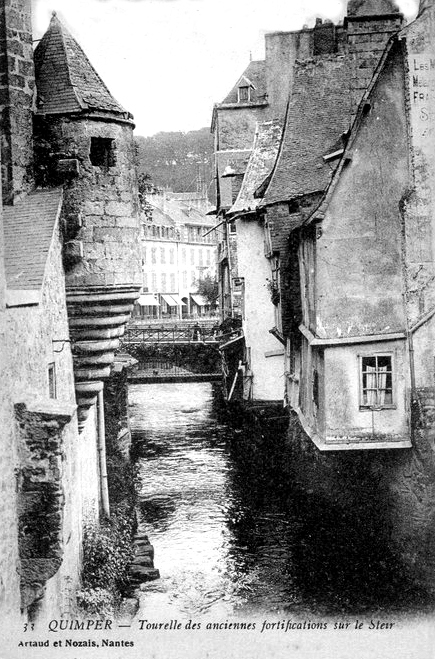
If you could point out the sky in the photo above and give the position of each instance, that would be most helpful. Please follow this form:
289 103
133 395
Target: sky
169 61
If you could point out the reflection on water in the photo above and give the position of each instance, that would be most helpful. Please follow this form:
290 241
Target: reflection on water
230 534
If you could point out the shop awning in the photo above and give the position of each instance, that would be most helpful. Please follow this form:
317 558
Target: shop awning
178 300
199 300
169 300
148 300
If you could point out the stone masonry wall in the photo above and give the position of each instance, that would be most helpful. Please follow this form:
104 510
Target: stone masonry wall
30 332
17 83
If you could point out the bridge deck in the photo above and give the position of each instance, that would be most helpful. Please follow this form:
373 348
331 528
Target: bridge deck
143 378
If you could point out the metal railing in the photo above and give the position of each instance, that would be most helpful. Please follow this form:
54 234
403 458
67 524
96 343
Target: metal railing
176 334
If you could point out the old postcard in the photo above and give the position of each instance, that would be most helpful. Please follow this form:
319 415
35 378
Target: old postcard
217 329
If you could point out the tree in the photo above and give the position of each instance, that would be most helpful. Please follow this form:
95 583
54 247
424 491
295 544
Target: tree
177 160
146 187
208 287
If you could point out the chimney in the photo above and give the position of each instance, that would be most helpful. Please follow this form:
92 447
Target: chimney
324 37
369 25
17 83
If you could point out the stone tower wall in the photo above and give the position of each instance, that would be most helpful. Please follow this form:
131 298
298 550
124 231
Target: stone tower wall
101 204
17 84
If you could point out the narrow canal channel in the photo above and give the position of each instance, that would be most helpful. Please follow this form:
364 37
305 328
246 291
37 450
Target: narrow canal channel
232 537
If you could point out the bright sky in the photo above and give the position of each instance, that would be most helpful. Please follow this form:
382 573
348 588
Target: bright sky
168 61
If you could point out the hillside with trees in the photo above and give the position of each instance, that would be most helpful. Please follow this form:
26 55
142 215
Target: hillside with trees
176 160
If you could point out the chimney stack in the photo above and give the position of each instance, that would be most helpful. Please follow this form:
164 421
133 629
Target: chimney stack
17 84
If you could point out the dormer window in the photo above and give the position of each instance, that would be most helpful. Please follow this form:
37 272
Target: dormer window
244 94
102 152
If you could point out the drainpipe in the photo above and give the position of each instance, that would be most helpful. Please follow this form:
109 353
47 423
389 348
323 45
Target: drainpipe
104 488
405 298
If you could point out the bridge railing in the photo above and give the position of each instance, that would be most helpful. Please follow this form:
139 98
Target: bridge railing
175 334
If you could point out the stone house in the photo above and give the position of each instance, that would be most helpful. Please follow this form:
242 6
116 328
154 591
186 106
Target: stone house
322 73
263 356
347 217
69 275
370 332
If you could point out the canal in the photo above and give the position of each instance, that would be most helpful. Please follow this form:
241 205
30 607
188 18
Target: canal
231 535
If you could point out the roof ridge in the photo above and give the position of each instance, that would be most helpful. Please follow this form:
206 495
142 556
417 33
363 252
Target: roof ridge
64 30
55 20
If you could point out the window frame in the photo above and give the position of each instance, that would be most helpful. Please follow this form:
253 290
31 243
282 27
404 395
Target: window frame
391 354
246 91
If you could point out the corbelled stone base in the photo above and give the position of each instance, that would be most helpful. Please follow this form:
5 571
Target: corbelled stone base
97 319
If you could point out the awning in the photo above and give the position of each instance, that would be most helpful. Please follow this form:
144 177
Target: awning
148 300
178 300
199 300
169 300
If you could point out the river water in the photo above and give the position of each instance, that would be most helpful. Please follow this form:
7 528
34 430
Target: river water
232 538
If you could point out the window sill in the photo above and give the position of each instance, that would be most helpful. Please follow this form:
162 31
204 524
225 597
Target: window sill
381 408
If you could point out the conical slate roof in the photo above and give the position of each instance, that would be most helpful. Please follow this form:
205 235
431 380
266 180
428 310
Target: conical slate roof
66 81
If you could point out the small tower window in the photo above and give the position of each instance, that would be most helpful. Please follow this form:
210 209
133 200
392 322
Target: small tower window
244 94
102 152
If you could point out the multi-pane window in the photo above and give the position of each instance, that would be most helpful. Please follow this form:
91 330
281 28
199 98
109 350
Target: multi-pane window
144 255
171 255
145 281
154 281
153 255
183 255
192 257
163 279
185 279
192 278
172 282
208 257
162 255
376 381
200 257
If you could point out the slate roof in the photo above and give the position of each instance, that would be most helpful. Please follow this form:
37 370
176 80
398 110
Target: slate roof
265 149
175 213
65 79
28 229
255 74
318 115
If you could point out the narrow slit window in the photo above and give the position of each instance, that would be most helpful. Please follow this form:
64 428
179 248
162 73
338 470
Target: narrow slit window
377 381
52 380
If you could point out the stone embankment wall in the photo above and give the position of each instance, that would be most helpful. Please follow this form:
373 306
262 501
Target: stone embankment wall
391 492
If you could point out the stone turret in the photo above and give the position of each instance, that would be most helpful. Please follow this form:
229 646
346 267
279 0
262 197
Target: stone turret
84 140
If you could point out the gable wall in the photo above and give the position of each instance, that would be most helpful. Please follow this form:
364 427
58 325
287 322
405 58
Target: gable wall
359 276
